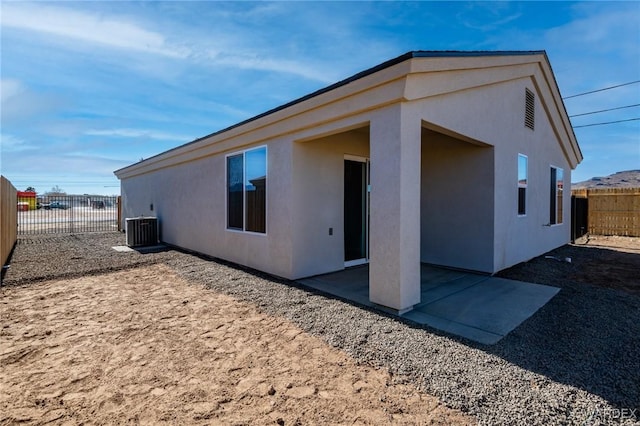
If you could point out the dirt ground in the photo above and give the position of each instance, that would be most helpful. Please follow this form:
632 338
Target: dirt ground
603 261
622 244
143 346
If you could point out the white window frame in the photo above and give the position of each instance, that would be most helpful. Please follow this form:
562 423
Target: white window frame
520 185
366 161
555 186
244 199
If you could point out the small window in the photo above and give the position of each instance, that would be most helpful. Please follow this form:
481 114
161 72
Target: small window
522 184
556 190
529 114
235 196
255 190
247 190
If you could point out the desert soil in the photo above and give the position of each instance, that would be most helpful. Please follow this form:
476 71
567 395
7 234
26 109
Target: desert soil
145 346
602 261
623 244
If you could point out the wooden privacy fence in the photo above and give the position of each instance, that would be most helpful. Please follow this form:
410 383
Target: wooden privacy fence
612 211
8 218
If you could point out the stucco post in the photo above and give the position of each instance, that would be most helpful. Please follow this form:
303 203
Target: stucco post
394 269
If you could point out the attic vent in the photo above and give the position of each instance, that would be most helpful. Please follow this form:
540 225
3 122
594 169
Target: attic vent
529 113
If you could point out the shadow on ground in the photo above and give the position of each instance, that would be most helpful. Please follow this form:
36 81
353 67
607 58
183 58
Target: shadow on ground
586 336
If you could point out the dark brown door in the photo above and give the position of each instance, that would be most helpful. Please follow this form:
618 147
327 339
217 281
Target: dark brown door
355 210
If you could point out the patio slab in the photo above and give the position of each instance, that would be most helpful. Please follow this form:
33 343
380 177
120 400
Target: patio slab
474 306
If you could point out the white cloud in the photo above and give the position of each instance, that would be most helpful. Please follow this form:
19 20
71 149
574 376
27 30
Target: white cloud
600 28
256 62
75 166
8 89
216 48
487 16
610 36
139 133
492 25
86 27
11 143
19 103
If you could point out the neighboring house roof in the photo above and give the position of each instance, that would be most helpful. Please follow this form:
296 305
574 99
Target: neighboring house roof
378 69
26 194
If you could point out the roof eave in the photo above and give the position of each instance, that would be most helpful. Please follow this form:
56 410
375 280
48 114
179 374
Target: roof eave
387 64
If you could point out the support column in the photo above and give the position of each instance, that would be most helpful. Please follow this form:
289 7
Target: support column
394 253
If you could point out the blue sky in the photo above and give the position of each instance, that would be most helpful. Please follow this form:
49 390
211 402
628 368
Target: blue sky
90 87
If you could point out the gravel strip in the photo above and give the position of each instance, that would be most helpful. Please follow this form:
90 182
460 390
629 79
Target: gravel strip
576 361
53 256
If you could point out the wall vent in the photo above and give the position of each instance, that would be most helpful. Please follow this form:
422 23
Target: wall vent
142 231
529 113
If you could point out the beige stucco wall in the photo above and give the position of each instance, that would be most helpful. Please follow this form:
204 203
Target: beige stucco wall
318 200
449 200
189 201
520 238
305 191
494 114
457 205
394 253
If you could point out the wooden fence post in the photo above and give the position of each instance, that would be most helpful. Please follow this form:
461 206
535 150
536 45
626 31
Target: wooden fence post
8 218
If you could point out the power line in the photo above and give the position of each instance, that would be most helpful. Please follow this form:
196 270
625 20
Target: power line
603 89
605 110
607 122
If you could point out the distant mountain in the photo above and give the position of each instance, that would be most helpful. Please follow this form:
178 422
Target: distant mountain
627 179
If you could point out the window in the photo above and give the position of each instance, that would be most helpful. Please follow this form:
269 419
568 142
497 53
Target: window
235 195
556 196
529 109
522 184
247 190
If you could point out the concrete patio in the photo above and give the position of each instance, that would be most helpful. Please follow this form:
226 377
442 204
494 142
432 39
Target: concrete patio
478 307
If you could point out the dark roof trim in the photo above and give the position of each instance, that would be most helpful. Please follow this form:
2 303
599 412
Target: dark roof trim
373 70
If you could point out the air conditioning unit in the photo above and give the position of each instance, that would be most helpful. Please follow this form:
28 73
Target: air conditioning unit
142 231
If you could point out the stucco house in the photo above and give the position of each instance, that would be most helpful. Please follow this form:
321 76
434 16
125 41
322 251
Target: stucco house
457 159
